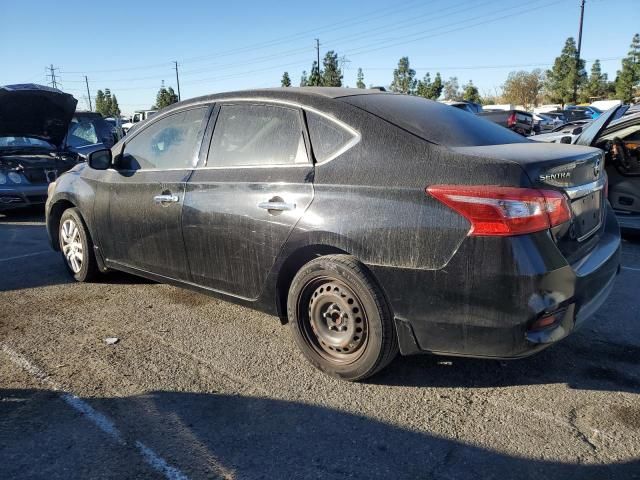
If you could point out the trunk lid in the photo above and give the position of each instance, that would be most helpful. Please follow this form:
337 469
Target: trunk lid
36 111
577 172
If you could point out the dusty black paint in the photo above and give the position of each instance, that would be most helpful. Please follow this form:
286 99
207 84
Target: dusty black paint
454 293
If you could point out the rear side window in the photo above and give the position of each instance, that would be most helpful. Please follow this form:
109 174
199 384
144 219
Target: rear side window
168 143
327 137
435 122
257 135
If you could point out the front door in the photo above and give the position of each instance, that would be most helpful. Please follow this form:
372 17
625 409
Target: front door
240 208
143 196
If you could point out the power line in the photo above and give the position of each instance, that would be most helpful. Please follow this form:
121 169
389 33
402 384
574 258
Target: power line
431 16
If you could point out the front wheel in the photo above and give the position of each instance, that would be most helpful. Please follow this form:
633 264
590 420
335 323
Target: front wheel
76 246
340 318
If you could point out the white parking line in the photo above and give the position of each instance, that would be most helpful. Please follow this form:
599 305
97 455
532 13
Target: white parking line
100 420
25 255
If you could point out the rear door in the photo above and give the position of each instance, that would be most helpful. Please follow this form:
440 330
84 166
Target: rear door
139 203
242 205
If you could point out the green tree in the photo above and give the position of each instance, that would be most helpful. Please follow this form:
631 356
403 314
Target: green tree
560 80
628 78
115 108
470 93
108 103
451 89
598 84
164 98
315 79
523 88
423 88
430 89
404 78
286 81
436 87
360 83
100 107
304 80
331 75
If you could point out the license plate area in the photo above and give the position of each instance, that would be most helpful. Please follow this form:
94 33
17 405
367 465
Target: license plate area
587 214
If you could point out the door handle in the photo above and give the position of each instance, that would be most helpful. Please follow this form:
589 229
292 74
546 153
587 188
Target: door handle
163 199
278 206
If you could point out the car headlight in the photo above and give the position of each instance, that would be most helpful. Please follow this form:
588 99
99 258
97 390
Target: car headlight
15 177
3 178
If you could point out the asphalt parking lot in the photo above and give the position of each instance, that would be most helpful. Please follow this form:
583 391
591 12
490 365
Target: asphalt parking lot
200 388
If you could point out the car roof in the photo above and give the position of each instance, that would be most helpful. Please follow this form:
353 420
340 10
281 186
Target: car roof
288 93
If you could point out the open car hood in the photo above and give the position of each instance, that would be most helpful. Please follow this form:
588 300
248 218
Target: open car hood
591 134
30 110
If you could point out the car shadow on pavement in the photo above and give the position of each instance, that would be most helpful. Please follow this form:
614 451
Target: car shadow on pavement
580 362
234 436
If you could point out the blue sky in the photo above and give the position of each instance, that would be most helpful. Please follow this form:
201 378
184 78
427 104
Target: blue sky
129 46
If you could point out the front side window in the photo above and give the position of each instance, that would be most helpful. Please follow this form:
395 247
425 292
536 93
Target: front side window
327 137
257 135
168 143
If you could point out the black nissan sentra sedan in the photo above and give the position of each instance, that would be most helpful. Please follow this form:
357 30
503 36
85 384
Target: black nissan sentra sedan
370 222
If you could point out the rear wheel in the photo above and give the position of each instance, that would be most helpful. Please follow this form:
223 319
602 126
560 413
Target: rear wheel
76 246
340 319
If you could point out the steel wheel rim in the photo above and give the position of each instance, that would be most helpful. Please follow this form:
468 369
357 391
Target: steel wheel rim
71 245
335 322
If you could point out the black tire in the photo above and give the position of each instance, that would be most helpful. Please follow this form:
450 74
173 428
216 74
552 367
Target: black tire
340 318
88 267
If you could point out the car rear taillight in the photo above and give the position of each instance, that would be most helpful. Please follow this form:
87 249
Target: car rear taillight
504 211
512 120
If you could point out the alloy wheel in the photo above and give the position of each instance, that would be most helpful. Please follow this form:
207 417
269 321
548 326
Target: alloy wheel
71 243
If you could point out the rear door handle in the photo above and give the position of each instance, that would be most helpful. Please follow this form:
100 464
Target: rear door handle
163 199
279 206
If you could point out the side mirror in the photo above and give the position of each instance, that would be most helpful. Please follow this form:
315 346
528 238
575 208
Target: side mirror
565 140
100 159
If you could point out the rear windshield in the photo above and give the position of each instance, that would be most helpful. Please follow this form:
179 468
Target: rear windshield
435 122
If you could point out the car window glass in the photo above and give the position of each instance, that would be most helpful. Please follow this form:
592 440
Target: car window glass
435 122
327 137
168 143
82 133
247 135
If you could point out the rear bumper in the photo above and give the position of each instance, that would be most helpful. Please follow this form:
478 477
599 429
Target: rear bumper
21 196
485 301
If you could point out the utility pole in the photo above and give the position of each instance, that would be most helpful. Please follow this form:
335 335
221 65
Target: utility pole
177 79
575 83
52 73
318 61
86 81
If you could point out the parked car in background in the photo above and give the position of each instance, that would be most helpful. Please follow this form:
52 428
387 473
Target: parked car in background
587 111
34 121
88 132
546 123
557 117
564 133
573 114
368 221
517 120
618 135
138 116
470 107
